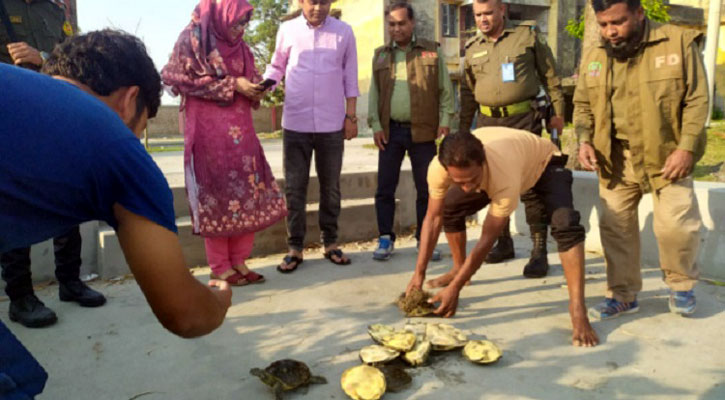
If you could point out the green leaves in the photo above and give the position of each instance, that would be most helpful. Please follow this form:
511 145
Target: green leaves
261 36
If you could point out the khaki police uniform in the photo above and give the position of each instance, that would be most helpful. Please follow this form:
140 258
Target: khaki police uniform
41 24
503 77
635 113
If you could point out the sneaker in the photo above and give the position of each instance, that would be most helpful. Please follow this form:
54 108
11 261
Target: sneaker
683 303
610 308
436 256
385 248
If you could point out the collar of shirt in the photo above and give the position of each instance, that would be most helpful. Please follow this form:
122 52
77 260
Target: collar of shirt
405 49
508 27
312 26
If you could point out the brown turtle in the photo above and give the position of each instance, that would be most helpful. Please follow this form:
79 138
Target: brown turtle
415 304
285 375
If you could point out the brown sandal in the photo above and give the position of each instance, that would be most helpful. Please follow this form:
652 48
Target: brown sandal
235 279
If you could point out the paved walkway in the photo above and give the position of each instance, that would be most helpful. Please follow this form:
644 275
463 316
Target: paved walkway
319 315
359 156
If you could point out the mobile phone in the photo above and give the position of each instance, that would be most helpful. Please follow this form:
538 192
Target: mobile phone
268 83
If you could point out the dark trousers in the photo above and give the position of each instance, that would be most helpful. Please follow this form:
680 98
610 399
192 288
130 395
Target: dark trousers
16 264
297 149
531 122
552 191
389 162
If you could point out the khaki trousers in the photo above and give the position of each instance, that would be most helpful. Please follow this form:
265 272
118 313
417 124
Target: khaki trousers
676 226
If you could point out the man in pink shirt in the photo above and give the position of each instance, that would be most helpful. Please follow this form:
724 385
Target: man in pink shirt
317 56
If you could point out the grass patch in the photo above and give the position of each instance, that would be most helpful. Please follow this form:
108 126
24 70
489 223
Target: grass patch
164 149
712 161
270 135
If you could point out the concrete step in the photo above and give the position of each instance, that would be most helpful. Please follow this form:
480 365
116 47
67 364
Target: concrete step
357 222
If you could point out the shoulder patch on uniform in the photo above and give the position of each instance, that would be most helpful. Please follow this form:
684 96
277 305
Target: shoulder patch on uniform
471 41
67 28
594 69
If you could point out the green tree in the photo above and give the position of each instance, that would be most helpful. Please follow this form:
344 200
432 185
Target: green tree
261 36
655 10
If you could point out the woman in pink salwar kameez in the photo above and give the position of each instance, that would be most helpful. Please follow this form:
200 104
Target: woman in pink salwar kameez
232 192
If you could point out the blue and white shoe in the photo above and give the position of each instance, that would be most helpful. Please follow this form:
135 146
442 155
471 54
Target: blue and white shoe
385 248
436 256
610 308
683 303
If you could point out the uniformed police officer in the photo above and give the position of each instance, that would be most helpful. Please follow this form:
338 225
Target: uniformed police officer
29 30
505 68
640 107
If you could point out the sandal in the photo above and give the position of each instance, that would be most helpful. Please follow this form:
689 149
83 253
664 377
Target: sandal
337 253
253 277
289 259
235 279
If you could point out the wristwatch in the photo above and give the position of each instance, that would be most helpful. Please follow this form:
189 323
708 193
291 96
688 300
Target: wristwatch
44 56
352 118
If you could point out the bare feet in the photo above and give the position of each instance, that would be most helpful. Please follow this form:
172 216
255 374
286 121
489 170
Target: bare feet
583 335
443 280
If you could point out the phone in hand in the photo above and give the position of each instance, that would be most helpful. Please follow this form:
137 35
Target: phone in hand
267 83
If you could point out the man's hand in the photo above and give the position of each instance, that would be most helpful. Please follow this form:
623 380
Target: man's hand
556 123
250 90
448 298
23 53
416 282
379 138
350 129
443 131
678 165
223 292
587 157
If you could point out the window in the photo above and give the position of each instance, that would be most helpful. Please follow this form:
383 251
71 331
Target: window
449 20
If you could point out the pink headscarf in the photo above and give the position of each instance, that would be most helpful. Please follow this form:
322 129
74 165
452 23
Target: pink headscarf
205 52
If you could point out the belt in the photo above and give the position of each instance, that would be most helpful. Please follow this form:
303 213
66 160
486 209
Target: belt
399 124
507 111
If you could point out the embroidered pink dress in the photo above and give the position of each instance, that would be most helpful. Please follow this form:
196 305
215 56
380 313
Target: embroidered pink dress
229 183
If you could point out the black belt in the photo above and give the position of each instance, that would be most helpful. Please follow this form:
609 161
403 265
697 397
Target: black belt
399 124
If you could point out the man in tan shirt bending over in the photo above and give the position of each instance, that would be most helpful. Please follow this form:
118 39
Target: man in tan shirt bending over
495 166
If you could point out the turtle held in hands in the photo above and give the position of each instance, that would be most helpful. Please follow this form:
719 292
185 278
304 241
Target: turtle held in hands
284 375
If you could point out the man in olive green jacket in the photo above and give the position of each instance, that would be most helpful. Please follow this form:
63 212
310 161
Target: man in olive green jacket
640 107
410 105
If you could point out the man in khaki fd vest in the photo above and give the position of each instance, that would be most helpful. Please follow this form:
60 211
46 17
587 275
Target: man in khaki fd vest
640 107
505 68
410 105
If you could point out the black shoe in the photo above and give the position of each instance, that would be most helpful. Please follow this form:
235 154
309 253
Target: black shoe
31 312
538 265
502 251
80 293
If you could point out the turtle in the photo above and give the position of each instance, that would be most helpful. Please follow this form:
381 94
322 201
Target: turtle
415 304
419 354
482 352
445 337
392 338
363 382
284 375
376 354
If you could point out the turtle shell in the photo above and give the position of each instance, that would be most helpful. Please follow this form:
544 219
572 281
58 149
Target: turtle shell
445 337
363 383
376 354
482 352
399 340
419 354
291 373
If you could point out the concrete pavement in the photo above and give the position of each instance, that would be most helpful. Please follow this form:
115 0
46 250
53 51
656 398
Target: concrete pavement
319 315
